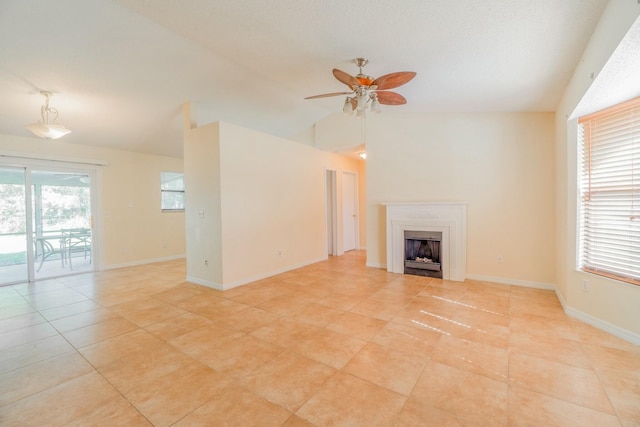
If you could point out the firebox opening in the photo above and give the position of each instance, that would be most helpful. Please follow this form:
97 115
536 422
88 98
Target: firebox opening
422 253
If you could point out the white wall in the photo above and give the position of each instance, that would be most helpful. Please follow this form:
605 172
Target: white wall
608 304
271 199
133 229
502 165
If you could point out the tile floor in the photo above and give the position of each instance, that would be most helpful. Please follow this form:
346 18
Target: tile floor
333 343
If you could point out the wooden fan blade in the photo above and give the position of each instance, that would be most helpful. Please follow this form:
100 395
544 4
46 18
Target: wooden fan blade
393 80
390 98
326 95
345 78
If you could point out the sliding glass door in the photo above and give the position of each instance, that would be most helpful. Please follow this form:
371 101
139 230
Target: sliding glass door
61 218
46 227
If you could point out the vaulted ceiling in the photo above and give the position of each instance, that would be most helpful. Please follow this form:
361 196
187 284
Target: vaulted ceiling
120 70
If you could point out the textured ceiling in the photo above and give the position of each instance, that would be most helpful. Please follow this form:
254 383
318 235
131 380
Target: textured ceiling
120 70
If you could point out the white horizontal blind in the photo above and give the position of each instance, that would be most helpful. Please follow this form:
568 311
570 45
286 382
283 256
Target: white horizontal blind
610 192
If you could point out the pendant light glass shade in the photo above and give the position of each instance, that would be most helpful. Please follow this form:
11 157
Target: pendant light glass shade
348 107
43 128
48 131
375 105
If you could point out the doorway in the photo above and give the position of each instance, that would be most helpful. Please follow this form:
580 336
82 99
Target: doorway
46 222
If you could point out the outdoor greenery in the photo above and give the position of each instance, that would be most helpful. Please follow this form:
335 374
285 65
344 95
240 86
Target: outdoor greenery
65 207
12 209
60 207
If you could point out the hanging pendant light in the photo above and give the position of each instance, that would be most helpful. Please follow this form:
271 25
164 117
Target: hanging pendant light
43 128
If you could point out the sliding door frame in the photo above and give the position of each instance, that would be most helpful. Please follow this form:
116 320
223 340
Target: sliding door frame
72 166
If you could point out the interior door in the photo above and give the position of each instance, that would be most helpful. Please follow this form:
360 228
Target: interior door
349 211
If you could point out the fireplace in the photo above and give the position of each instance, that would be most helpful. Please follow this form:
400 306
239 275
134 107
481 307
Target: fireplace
448 219
422 253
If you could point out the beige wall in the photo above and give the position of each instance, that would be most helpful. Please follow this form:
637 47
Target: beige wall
131 226
502 165
271 199
202 197
608 304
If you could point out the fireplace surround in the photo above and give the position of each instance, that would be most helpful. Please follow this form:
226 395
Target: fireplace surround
447 218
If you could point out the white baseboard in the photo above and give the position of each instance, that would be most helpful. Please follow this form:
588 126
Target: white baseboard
563 303
142 262
571 312
257 277
514 282
208 284
247 280
619 332
376 265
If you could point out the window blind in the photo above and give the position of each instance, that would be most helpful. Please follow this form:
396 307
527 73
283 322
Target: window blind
609 185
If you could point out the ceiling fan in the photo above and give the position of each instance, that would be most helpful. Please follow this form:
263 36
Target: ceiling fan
365 89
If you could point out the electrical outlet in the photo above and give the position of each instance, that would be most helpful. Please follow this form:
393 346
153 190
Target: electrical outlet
206 263
585 286
500 259
279 252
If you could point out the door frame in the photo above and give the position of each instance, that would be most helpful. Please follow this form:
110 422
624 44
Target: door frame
331 209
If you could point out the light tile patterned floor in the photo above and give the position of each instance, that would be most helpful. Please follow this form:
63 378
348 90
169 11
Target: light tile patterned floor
333 343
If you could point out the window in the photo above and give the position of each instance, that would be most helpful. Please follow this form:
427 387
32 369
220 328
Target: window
609 185
172 189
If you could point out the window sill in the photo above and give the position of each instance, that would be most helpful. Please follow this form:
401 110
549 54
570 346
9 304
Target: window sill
626 280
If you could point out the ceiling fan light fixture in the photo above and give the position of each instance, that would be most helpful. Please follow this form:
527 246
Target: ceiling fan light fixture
348 107
375 105
362 101
43 128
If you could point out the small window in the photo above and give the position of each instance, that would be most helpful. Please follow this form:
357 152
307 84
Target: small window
172 190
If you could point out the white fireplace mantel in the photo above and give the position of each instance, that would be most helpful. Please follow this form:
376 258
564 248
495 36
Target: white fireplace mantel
446 217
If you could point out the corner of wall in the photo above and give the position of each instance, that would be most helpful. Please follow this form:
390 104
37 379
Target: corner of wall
608 304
